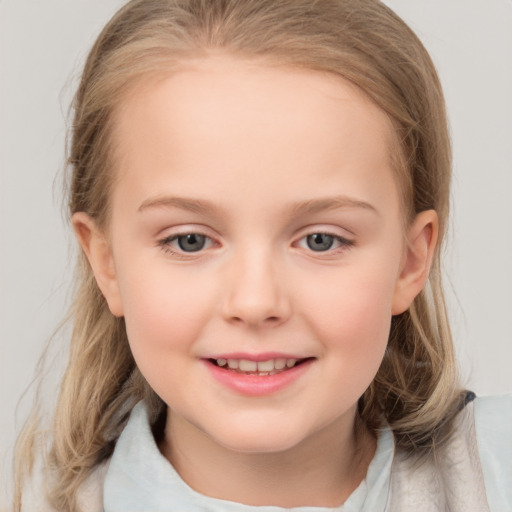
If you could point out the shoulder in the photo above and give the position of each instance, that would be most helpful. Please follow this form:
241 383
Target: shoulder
477 461
90 494
493 430
472 471
89 497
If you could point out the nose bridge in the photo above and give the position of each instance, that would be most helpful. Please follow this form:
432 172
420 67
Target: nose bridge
256 293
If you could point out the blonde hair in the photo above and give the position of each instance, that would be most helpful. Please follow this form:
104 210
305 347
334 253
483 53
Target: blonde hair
416 388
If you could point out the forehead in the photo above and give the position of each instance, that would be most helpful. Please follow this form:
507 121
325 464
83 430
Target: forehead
267 126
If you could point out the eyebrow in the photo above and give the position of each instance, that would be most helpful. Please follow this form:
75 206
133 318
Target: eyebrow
330 203
310 206
184 203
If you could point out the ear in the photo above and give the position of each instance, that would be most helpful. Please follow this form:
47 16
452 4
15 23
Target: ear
97 249
421 244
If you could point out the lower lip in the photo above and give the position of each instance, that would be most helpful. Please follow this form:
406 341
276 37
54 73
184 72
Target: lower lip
257 385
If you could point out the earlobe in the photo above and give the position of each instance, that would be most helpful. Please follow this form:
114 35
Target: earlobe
99 254
419 252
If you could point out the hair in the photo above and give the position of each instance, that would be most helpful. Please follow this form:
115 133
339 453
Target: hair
416 389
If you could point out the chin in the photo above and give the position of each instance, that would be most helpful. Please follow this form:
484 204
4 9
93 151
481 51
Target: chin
251 445
261 438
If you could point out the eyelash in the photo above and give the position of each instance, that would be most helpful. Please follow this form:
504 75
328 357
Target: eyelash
167 247
343 243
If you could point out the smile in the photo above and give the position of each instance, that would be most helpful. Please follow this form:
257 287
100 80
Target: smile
261 368
266 376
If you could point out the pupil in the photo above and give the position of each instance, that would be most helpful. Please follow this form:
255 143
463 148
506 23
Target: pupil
320 241
192 242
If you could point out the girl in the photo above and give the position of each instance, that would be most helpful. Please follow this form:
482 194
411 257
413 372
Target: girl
260 190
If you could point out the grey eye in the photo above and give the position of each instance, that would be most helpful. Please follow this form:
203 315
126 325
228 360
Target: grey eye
320 242
191 242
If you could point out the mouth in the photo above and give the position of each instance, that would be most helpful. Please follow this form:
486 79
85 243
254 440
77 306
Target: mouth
258 368
258 375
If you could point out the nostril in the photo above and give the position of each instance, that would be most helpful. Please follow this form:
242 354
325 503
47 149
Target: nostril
270 320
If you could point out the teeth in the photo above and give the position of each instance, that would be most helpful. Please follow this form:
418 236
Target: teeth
266 366
247 366
280 364
269 366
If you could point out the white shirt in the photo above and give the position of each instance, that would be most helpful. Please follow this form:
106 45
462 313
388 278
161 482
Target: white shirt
475 473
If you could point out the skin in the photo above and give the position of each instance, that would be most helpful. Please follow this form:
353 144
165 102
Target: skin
257 160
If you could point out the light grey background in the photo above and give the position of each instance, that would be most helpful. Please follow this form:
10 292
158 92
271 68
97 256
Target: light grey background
42 46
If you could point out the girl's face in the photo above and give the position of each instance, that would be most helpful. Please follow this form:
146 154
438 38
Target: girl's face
256 224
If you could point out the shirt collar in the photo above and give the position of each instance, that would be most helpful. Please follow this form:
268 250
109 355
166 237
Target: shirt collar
140 478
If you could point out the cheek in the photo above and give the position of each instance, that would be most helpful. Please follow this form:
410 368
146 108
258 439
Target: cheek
352 314
164 310
351 319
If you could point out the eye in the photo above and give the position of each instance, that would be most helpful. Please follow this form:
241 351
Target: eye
323 242
186 243
320 241
191 242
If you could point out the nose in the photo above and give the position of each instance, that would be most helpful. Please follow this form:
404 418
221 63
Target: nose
256 292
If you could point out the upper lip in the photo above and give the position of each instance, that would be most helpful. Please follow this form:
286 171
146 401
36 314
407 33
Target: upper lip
264 356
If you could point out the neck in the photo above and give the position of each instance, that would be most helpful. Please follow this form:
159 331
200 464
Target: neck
323 470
